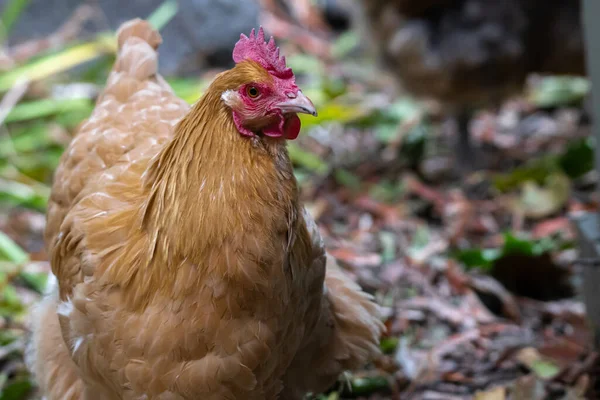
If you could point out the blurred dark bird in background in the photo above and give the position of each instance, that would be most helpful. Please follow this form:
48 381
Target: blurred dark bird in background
469 54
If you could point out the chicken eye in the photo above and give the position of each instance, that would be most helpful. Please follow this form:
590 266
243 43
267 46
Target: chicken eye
252 92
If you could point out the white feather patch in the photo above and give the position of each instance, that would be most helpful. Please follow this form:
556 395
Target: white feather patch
231 98
51 284
77 344
65 308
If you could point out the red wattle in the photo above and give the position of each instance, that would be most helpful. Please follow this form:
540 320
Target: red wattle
274 130
288 128
291 128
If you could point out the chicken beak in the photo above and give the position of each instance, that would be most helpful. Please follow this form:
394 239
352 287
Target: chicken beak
298 104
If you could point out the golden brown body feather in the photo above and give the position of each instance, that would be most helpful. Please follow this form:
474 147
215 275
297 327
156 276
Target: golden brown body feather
186 267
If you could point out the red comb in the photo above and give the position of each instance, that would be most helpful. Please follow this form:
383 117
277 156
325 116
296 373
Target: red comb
266 54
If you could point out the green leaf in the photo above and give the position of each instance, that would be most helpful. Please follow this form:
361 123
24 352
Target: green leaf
8 336
481 258
520 245
16 390
578 158
10 251
516 245
10 303
538 201
486 258
333 396
532 359
575 161
163 14
549 243
544 369
388 345
557 91
36 280
366 385
535 171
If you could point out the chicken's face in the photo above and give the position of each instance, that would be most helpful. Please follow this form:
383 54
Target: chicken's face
267 100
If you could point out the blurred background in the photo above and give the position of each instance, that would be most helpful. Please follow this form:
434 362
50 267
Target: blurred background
451 147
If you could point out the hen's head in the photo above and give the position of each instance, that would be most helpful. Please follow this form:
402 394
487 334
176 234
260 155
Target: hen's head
261 90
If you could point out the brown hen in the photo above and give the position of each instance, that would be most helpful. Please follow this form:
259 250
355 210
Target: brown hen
186 267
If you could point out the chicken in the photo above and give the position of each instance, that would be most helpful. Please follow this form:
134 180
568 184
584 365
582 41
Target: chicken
185 266
472 53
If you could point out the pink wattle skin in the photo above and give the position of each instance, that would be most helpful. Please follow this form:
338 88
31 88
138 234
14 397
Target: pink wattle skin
240 126
286 127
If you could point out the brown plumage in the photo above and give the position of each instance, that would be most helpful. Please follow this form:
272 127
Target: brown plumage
186 267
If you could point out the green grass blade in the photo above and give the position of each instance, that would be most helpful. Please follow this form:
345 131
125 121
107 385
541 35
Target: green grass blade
163 14
32 194
46 108
10 15
188 89
36 280
59 62
34 137
10 251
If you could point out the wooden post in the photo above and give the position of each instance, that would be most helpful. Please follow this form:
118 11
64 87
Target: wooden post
588 224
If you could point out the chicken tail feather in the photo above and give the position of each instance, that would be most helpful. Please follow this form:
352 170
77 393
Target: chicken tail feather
137 57
47 355
141 29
